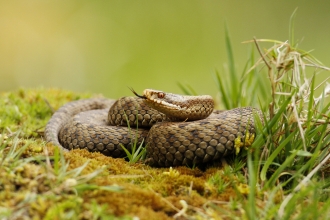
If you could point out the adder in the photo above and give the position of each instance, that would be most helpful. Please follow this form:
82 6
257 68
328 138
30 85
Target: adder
177 129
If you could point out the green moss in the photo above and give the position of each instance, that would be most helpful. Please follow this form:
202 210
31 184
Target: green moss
150 193
27 111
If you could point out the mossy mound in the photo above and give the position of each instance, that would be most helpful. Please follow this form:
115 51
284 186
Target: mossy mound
39 182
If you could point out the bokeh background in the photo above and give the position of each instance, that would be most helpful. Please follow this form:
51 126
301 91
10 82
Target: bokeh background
106 46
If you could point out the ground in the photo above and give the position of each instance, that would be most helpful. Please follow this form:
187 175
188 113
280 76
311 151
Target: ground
41 182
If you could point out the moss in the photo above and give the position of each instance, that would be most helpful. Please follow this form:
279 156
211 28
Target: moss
146 192
28 111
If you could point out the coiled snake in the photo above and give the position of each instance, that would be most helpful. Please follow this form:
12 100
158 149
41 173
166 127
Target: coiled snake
200 135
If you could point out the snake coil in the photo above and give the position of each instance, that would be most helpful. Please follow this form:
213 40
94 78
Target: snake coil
200 135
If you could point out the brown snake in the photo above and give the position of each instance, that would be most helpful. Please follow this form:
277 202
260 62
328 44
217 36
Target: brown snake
201 134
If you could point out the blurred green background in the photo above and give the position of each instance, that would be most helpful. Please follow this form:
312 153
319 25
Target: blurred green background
105 46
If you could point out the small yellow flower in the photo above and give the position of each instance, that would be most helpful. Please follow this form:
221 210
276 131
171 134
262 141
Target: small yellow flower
238 144
243 188
172 172
249 138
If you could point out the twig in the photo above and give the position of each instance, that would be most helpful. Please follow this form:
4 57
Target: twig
262 55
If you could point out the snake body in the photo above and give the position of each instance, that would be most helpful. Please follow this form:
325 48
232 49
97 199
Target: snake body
201 135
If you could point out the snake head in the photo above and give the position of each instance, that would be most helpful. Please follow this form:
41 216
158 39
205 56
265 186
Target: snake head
178 107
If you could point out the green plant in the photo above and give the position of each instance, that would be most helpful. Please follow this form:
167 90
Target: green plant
138 151
295 138
33 186
288 163
240 91
218 182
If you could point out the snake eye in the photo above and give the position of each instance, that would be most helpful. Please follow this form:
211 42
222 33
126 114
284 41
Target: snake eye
161 95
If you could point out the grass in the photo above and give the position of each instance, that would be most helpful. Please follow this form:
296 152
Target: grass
289 158
35 186
283 175
135 153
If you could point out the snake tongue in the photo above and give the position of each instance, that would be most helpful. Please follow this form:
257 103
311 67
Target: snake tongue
140 96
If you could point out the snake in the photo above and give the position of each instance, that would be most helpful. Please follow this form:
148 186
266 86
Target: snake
175 129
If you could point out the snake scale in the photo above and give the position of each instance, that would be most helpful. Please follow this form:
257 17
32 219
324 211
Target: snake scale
178 130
